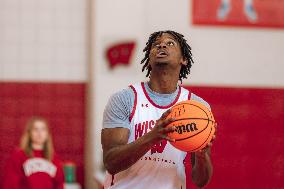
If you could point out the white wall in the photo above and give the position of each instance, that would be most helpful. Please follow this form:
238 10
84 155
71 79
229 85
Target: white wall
223 56
43 40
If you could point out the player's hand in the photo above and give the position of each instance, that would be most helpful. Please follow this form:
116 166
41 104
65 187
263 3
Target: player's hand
211 142
214 136
160 131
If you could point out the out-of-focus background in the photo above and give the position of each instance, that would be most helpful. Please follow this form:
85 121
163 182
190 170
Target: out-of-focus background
62 59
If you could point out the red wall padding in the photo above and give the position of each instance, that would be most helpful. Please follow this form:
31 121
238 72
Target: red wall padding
63 104
249 149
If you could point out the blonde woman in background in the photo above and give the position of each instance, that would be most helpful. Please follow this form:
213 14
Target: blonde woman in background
34 165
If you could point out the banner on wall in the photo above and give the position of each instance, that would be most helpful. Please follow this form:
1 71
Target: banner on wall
120 53
255 13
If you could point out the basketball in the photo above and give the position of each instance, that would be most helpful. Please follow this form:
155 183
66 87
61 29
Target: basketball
194 125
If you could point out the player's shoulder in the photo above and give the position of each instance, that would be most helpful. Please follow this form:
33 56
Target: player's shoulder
125 93
199 99
123 98
118 109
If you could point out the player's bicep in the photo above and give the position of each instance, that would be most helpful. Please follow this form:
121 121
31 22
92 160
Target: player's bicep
113 137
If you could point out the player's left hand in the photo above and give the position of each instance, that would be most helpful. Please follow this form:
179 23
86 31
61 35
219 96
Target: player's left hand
211 142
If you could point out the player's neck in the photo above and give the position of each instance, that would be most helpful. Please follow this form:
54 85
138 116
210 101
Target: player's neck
163 84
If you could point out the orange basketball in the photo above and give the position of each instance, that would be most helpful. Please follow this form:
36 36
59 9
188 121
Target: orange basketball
194 125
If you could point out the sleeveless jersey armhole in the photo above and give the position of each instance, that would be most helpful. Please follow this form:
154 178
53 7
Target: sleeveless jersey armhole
189 94
135 103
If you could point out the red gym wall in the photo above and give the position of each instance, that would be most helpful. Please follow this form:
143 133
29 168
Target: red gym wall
63 104
246 154
248 151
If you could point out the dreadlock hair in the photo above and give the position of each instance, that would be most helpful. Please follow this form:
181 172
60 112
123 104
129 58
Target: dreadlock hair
185 50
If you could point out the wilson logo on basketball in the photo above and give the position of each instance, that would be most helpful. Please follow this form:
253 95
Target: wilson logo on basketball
186 128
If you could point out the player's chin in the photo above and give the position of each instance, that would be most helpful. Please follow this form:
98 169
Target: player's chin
160 63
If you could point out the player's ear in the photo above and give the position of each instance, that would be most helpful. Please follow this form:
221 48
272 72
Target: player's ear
184 61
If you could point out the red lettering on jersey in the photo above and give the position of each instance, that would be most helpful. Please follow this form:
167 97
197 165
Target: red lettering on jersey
142 128
139 128
159 148
145 126
151 124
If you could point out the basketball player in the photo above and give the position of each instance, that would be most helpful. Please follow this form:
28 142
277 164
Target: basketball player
249 10
34 165
136 151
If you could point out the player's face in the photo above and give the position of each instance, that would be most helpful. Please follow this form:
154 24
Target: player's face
39 133
165 51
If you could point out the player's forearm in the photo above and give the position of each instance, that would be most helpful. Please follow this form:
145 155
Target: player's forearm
202 169
122 157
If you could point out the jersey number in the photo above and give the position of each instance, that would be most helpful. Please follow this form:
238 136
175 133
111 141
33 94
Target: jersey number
159 148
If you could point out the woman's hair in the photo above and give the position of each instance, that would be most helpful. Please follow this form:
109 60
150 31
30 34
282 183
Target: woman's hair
26 141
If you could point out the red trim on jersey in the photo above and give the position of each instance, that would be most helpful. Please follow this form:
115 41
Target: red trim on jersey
135 103
156 105
189 95
112 178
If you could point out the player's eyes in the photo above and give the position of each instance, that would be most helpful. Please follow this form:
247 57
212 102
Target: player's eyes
170 43
157 45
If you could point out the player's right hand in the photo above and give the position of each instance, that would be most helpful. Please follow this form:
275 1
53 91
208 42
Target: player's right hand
160 130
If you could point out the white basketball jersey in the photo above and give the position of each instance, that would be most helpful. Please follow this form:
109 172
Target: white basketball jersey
162 166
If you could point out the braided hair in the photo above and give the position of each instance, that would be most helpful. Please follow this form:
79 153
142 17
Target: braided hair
185 50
